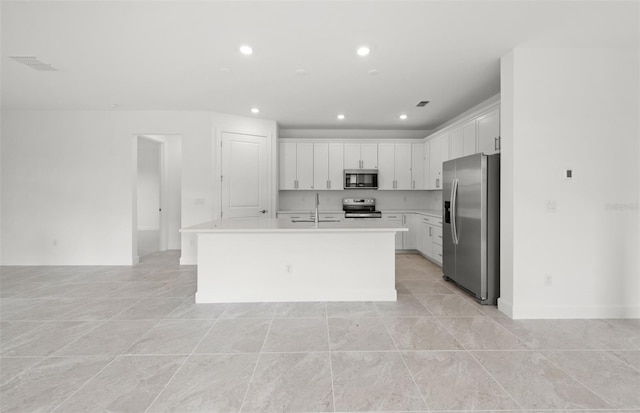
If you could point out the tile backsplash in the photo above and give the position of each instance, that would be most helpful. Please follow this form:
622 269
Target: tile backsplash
332 200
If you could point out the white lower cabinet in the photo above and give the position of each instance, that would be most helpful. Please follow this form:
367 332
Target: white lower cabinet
404 240
396 219
292 216
431 238
409 238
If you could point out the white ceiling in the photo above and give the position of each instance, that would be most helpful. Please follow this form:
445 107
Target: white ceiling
168 55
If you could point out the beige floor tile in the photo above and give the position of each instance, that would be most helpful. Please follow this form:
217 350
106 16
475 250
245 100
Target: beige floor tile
406 306
250 310
420 333
291 382
534 382
297 334
359 334
128 384
172 337
451 305
109 338
481 333
372 381
235 336
46 339
616 382
357 309
10 367
208 383
49 383
301 310
189 310
454 380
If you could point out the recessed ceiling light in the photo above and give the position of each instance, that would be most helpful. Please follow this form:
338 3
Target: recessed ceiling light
114 105
373 72
403 116
363 51
246 50
255 110
301 72
341 116
225 70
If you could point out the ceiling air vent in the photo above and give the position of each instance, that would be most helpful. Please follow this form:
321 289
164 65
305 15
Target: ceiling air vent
422 103
34 63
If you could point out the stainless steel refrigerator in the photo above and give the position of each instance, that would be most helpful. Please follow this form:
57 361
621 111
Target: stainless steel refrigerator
471 225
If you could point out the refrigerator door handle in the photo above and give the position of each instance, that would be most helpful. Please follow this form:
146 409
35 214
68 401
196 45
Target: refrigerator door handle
454 195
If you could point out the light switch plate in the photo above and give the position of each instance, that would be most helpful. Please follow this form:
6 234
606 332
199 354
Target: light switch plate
552 206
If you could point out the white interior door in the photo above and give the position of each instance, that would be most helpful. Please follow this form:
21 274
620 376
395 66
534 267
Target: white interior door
244 176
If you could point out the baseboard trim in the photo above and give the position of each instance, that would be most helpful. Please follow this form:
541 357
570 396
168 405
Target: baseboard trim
188 261
505 307
573 312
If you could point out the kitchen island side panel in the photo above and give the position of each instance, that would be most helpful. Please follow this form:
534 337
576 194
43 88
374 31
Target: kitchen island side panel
291 266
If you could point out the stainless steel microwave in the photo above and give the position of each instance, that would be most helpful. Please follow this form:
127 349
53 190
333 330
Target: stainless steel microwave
360 179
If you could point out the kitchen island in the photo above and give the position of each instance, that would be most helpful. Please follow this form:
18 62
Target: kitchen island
259 260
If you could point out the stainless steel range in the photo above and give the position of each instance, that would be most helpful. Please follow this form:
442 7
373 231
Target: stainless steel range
360 208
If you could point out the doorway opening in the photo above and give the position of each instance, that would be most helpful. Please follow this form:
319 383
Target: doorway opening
157 194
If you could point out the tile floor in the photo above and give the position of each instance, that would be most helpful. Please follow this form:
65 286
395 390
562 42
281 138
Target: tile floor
95 339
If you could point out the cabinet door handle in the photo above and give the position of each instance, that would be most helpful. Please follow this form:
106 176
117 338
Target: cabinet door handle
328 184
413 184
430 228
437 182
495 144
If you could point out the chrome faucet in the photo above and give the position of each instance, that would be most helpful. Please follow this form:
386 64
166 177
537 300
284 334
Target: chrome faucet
317 217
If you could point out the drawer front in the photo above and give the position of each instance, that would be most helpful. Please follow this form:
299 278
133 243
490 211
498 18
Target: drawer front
333 217
437 252
295 216
432 220
437 236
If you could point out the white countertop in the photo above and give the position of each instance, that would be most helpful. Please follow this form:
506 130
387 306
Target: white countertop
431 212
285 225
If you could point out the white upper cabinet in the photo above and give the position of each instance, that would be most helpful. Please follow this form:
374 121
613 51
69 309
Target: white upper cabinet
304 165
296 165
403 165
489 132
462 140
328 166
438 153
417 166
287 162
360 156
369 155
386 166
469 146
394 166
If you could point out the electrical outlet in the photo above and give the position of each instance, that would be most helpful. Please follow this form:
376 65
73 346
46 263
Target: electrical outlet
547 280
552 206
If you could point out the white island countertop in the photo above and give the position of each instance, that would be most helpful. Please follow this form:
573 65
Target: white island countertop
282 225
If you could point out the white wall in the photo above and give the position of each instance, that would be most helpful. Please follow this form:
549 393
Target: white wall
148 185
579 109
68 181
